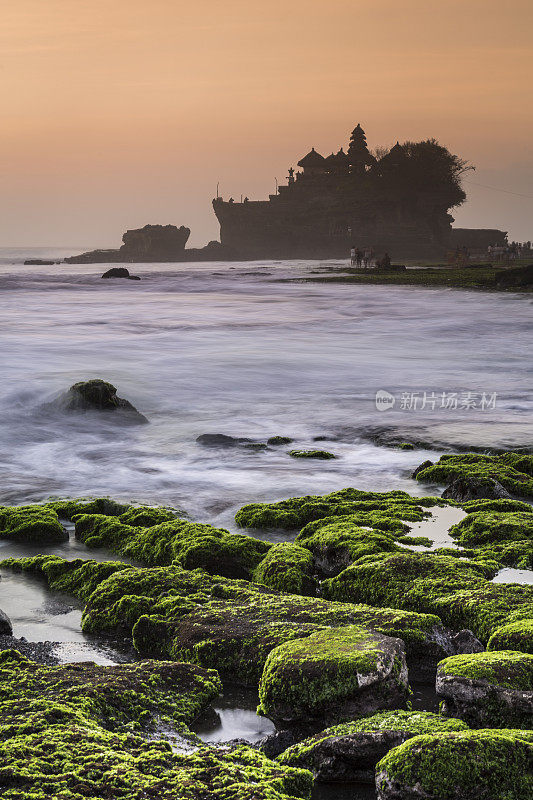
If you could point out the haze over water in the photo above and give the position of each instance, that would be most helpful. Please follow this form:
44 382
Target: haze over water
232 348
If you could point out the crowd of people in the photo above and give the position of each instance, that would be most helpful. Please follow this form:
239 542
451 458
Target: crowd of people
367 258
509 252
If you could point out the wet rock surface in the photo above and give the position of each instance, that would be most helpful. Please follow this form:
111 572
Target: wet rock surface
488 689
99 395
120 272
332 676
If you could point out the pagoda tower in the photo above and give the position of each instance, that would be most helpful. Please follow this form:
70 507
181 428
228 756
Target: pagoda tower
358 154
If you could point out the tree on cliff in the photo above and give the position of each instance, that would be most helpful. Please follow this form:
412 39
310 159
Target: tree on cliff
415 167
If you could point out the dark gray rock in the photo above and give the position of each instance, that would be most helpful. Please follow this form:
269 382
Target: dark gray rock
6 628
463 489
422 467
120 272
98 395
466 642
221 440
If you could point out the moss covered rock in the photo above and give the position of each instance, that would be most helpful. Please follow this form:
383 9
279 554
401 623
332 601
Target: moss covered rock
289 568
190 544
458 591
338 542
66 509
67 732
325 455
100 396
230 625
488 689
333 675
513 471
31 524
350 751
468 765
295 512
514 636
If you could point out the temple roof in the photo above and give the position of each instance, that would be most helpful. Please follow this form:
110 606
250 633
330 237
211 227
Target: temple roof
312 159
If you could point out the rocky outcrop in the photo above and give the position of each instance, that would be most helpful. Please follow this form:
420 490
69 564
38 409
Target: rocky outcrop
467 765
493 689
120 272
350 751
155 243
463 489
99 395
6 628
31 524
332 676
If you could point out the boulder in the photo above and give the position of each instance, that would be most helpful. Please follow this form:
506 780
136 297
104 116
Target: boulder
98 395
516 635
221 440
465 642
462 489
421 468
289 568
120 272
492 689
350 751
31 524
332 676
275 440
512 471
6 628
321 454
154 243
463 765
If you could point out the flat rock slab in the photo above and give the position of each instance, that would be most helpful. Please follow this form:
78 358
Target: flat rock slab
488 689
333 675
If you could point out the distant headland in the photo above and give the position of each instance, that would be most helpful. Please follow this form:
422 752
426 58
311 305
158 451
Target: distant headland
396 200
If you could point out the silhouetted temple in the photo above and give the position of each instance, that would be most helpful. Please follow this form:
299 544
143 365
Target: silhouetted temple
398 202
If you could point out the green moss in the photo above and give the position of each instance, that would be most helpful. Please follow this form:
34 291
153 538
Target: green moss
274 440
66 509
31 524
321 454
189 544
295 512
472 506
511 470
417 541
288 568
67 732
136 695
458 591
487 527
406 446
338 543
411 723
314 676
514 636
230 625
505 668
485 764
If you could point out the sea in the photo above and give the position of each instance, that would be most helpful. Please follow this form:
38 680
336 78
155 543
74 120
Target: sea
249 349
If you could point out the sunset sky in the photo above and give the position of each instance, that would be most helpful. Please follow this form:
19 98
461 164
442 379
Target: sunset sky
116 113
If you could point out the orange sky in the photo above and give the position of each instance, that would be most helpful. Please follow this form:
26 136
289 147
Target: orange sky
121 112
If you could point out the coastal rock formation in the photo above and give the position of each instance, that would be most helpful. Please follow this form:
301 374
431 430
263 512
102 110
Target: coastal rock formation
6 628
99 395
332 676
513 471
151 243
324 455
350 751
462 765
26 524
467 488
516 278
488 689
120 272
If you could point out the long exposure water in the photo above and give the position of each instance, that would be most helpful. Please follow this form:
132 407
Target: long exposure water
238 349
249 350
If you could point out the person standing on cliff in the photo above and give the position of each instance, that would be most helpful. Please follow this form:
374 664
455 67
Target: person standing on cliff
352 255
358 257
